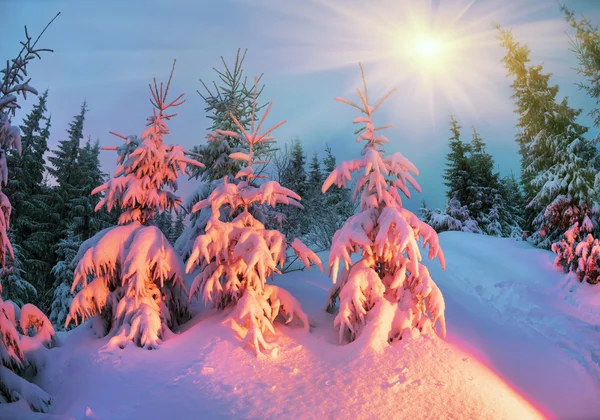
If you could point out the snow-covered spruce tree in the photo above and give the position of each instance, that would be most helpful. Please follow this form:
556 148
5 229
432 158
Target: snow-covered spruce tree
335 207
462 193
14 286
32 223
85 223
511 207
231 96
314 204
455 217
387 291
558 164
294 178
458 173
234 258
18 351
63 274
484 188
137 289
586 46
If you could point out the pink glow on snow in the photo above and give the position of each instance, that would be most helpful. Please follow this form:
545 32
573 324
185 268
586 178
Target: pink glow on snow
479 358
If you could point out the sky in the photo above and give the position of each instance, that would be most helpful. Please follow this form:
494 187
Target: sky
106 52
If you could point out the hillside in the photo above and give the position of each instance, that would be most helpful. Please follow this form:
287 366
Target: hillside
522 343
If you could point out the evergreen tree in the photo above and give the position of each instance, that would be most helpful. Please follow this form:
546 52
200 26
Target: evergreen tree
28 167
22 337
483 187
64 162
457 175
558 165
40 247
294 178
32 224
586 46
164 222
131 278
178 226
385 291
63 275
315 177
234 258
13 284
86 221
511 207
335 206
231 97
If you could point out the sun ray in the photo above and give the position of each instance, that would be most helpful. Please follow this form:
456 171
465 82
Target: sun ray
443 56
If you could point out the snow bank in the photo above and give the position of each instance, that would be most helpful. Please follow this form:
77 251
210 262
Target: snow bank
507 306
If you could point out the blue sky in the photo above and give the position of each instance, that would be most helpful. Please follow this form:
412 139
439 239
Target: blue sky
107 52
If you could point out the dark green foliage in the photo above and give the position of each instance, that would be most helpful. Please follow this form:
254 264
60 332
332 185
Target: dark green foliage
586 46
457 175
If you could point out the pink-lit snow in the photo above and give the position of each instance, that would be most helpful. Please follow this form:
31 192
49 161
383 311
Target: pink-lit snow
523 342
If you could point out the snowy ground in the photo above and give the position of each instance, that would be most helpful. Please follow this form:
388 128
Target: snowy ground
523 342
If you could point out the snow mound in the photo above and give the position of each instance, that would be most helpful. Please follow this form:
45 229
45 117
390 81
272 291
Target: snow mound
499 361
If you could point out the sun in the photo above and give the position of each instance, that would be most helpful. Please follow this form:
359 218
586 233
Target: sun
442 56
428 47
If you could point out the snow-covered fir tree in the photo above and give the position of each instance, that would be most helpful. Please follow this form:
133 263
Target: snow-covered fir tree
586 46
26 331
490 205
578 248
178 226
231 96
387 291
511 207
454 217
131 279
63 275
558 164
84 223
457 174
233 258
483 187
14 286
32 223
330 210
294 177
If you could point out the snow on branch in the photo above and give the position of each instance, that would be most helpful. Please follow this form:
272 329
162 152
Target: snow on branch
148 168
131 278
232 260
386 237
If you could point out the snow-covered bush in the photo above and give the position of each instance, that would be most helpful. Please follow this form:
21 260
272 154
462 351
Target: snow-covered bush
131 278
233 259
22 332
455 217
578 250
387 288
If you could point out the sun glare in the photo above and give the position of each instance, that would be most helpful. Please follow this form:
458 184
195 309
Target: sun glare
442 55
428 47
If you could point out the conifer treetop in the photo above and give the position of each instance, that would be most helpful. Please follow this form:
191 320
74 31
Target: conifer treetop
373 184
147 165
246 193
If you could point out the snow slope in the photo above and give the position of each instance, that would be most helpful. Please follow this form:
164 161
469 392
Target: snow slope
520 345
